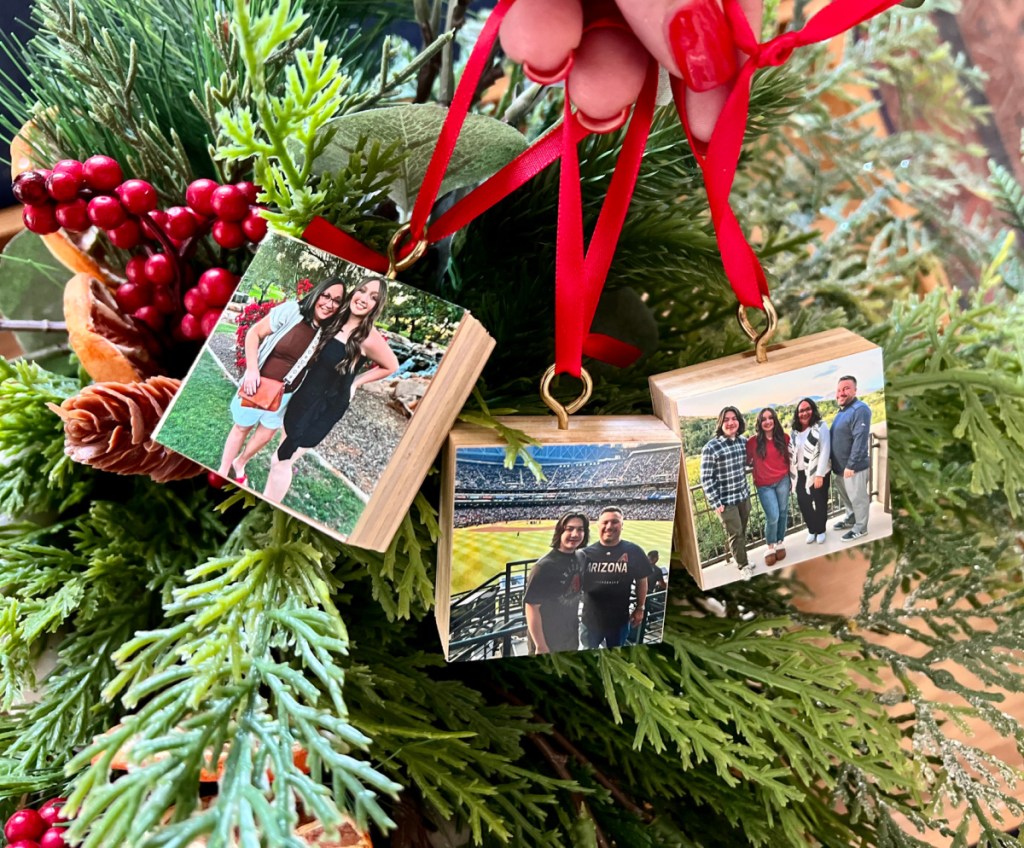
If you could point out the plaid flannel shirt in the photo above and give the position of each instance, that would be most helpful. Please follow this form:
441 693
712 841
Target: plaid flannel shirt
723 471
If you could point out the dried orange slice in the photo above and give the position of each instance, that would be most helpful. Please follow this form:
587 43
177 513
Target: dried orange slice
110 344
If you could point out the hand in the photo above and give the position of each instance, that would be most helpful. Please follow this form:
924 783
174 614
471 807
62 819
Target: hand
849 472
637 617
819 482
250 381
603 56
720 509
542 649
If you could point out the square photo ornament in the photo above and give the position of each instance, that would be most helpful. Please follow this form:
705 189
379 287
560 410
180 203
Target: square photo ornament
783 461
327 389
576 560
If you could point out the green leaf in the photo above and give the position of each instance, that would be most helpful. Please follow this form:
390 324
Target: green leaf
33 288
485 145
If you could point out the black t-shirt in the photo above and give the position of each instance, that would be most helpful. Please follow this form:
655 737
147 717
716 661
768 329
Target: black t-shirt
555 584
609 573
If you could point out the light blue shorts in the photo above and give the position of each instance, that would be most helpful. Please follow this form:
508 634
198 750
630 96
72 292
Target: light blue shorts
247 416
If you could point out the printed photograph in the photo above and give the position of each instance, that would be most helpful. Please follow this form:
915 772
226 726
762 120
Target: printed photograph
575 561
788 467
307 384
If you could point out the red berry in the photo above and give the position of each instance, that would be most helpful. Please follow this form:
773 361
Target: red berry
73 215
102 173
126 235
197 195
249 189
181 223
159 217
160 269
30 188
40 219
24 824
191 327
228 234
63 186
254 226
53 838
214 479
229 203
209 321
138 196
195 302
70 166
165 301
23 843
135 270
106 212
133 296
51 812
150 315
217 285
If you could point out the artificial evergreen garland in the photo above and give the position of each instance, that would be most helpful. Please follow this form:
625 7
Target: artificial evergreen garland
755 723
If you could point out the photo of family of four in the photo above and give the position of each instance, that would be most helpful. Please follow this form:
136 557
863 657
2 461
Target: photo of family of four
316 349
805 462
600 576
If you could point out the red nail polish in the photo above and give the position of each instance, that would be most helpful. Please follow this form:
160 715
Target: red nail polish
702 44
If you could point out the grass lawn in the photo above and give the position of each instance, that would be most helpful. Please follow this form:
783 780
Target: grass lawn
481 552
200 423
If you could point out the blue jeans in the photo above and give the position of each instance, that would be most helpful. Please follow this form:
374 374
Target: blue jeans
775 502
613 637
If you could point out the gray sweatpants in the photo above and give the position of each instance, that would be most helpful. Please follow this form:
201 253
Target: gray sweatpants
853 494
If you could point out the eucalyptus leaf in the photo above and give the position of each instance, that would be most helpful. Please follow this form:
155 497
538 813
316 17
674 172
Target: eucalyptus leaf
485 145
33 288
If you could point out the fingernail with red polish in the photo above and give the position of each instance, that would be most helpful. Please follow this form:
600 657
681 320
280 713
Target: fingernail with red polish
702 44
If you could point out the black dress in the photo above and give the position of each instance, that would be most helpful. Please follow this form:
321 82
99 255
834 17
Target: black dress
319 402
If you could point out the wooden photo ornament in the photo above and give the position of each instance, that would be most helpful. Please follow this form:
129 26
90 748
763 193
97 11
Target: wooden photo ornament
375 372
783 461
574 561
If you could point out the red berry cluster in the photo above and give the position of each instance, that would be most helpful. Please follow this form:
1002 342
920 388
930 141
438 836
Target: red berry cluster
161 285
42 828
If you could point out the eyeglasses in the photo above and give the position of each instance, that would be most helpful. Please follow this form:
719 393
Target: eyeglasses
337 301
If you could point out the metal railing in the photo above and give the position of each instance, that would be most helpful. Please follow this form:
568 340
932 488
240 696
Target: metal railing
711 534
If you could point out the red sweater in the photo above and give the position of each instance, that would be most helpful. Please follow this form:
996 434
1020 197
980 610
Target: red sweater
774 466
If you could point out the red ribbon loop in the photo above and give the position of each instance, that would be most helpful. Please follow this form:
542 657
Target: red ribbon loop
719 158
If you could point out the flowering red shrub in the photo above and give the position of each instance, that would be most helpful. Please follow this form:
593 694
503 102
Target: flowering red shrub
254 312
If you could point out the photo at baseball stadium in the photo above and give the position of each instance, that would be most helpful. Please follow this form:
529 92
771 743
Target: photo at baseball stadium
577 559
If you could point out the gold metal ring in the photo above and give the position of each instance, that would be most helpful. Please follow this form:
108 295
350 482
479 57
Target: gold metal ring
563 412
761 339
396 264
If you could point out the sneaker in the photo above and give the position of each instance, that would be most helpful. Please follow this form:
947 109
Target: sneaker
811 538
747 571
821 538
845 524
850 535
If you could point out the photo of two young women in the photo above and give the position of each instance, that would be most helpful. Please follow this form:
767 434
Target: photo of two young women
307 384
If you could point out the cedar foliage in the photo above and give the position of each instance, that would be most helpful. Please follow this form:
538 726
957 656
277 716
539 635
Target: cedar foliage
755 723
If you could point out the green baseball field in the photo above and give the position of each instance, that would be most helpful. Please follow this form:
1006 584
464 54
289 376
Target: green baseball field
481 552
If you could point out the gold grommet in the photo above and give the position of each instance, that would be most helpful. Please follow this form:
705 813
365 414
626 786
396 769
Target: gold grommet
761 339
396 264
563 412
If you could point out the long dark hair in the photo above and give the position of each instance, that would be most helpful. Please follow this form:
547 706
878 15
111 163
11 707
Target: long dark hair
778 436
556 539
359 334
307 306
815 415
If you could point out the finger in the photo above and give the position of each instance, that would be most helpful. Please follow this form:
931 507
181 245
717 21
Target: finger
608 72
541 35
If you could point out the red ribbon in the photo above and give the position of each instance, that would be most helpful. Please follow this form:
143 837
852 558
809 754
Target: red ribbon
720 156
579 278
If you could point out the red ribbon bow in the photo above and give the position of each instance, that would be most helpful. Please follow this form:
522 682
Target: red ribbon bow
719 158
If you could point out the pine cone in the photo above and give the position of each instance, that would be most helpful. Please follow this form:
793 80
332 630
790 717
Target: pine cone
109 426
